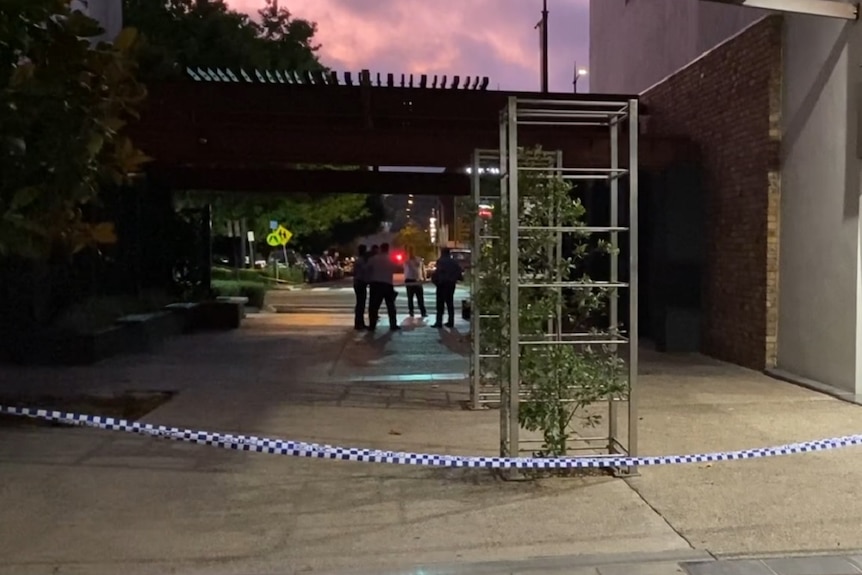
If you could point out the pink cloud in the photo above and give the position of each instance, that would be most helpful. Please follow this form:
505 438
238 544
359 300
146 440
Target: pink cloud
492 38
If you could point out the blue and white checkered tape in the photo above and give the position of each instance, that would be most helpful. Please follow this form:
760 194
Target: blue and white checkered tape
320 451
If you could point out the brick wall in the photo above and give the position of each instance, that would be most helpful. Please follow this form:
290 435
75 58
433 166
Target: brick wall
729 103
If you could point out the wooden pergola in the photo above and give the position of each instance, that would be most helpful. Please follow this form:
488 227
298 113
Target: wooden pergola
226 131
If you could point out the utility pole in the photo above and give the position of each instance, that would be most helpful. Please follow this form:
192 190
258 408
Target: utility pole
543 35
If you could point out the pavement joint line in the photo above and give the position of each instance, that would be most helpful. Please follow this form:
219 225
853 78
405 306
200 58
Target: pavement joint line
788 554
345 341
562 564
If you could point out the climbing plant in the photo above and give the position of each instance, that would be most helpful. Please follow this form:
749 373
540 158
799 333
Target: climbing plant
560 381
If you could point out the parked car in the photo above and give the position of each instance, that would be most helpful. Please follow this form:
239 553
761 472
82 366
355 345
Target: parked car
463 257
347 265
325 272
335 266
228 261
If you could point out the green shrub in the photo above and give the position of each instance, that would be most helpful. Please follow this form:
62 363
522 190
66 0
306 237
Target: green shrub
292 275
255 291
241 275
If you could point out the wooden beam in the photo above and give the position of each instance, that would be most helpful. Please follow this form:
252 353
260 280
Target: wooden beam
240 102
292 181
240 145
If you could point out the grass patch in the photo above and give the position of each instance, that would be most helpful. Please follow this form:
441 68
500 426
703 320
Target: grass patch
264 276
131 405
293 275
238 275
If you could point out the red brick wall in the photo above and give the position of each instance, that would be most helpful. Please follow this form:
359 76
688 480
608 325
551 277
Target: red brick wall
728 102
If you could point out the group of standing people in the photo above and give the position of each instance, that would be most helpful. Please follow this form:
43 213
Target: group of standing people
374 283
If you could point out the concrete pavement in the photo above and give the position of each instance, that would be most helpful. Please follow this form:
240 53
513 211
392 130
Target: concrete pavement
83 501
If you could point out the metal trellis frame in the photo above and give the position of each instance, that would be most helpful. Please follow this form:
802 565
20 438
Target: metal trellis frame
481 389
485 361
621 119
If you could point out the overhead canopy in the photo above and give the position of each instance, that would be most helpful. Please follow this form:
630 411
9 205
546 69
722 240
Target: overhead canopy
829 8
244 132
268 180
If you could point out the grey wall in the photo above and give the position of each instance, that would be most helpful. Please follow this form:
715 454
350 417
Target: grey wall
819 240
109 13
637 43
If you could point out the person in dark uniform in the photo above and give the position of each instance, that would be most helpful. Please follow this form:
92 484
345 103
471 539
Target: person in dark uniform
360 287
445 278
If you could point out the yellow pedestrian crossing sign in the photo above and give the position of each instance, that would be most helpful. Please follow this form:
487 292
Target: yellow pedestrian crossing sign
280 237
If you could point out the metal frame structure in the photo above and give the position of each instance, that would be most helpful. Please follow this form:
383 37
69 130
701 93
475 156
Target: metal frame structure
480 391
484 387
620 118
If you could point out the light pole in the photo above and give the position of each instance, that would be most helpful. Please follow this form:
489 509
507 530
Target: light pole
578 72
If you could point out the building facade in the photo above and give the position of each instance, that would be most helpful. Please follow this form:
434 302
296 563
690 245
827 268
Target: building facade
774 107
109 13
637 43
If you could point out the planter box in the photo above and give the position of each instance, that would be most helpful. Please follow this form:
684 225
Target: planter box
217 315
184 314
241 300
70 348
146 332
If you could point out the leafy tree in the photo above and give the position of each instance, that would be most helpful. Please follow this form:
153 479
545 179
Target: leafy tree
63 103
343 235
415 239
190 33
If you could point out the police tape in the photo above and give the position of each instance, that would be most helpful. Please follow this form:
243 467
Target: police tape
322 451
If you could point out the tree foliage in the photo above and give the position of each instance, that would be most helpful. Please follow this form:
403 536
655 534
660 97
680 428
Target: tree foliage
190 33
304 215
63 103
416 240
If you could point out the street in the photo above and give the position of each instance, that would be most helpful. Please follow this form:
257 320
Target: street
79 501
338 297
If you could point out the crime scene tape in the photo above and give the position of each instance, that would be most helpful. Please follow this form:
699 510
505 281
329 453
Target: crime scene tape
322 451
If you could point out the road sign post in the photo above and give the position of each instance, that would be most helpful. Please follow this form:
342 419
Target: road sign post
280 236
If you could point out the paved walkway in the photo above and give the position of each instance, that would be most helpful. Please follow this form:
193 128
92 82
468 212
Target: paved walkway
100 502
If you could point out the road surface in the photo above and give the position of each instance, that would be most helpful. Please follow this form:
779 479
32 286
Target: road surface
338 297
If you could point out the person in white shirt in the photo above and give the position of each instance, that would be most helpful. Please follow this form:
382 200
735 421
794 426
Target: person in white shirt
381 272
413 277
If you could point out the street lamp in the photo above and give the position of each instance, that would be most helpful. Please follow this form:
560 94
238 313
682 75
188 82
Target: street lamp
578 72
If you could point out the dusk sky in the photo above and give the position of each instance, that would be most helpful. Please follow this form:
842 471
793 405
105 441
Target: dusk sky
493 38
